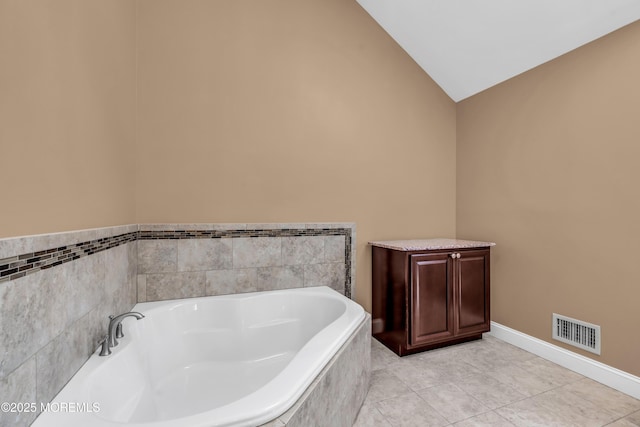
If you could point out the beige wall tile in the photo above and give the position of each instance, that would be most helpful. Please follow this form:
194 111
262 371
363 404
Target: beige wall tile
220 282
286 277
19 387
251 252
334 248
225 282
204 254
331 275
303 250
175 285
157 256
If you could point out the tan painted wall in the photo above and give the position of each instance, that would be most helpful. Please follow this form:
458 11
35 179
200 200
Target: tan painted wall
548 168
67 115
290 111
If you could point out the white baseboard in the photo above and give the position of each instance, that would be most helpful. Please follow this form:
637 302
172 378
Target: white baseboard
605 374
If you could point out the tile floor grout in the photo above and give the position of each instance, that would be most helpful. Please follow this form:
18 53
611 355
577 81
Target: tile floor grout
547 394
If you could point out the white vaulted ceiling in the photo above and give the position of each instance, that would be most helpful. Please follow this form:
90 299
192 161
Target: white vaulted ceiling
467 46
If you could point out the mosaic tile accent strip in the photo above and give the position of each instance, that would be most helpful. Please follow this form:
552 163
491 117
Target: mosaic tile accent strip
281 232
20 265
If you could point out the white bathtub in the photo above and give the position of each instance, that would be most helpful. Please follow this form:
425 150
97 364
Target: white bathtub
235 360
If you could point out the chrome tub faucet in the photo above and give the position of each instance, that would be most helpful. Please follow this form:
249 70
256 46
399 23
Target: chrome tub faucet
115 331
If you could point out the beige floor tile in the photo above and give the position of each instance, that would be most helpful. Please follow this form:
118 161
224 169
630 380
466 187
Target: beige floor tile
634 418
432 388
549 370
603 396
510 352
531 413
453 403
561 401
523 381
385 385
457 370
369 416
381 356
488 419
440 355
447 364
483 360
491 353
623 422
410 411
417 374
556 408
488 390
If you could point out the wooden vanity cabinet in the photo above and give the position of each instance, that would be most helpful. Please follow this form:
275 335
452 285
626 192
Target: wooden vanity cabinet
427 299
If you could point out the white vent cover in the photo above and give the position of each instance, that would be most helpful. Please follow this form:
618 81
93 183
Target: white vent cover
576 333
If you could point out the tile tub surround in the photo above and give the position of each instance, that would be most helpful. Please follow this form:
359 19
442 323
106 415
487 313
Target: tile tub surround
54 311
338 392
193 260
57 290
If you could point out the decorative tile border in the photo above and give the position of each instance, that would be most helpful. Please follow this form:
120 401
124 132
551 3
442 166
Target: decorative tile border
20 265
17 266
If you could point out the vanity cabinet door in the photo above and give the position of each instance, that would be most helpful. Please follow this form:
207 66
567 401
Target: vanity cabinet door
472 292
431 315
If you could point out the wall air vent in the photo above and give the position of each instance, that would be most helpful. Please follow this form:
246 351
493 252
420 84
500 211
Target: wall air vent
576 333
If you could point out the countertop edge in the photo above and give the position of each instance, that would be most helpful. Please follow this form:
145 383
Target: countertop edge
430 244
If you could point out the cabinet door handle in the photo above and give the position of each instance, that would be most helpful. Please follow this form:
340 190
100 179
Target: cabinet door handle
453 255
458 255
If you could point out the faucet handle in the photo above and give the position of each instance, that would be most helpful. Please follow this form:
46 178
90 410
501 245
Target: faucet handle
119 333
105 351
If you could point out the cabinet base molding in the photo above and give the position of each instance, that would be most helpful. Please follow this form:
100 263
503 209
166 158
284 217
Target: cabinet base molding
597 371
396 346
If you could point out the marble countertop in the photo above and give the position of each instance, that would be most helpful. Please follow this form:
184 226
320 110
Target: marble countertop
430 244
